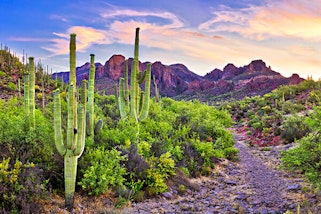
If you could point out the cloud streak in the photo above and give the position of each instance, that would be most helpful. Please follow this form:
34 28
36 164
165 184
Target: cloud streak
284 18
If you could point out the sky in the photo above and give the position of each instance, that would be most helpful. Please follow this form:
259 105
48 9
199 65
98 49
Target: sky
201 34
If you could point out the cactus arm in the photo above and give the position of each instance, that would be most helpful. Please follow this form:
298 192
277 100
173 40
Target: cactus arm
116 95
142 77
81 131
99 126
57 124
79 136
133 88
145 107
121 99
141 102
126 83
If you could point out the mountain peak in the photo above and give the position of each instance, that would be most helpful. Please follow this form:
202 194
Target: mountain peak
177 80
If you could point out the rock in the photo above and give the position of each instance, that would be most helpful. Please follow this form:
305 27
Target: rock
293 187
168 195
230 182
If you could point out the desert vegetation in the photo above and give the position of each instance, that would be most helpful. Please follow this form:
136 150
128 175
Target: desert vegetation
134 154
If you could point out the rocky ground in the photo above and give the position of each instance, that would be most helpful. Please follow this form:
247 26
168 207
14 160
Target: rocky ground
254 184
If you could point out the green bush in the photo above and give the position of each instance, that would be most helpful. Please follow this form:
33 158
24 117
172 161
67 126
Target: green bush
101 169
160 169
21 187
12 86
305 158
293 128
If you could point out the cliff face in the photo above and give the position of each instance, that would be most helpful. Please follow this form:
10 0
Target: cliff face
177 80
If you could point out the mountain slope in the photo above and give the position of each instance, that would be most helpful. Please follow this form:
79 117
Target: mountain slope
179 82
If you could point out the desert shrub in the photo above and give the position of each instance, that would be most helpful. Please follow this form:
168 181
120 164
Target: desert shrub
12 86
293 128
102 169
136 165
160 170
305 158
21 185
290 107
314 97
206 150
2 74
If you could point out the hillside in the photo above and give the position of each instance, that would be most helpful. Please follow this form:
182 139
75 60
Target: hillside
179 82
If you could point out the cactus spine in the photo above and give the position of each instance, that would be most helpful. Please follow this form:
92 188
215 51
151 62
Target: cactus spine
139 101
76 127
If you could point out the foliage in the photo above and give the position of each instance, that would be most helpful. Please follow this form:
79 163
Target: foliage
293 128
21 186
306 156
101 169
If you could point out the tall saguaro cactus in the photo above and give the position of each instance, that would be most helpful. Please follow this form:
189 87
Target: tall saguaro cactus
29 93
139 101
90 105
31 67
74 146
91 127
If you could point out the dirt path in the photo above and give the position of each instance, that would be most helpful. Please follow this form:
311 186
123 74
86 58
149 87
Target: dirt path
252 185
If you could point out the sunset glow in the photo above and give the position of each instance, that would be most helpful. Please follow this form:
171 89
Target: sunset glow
202 35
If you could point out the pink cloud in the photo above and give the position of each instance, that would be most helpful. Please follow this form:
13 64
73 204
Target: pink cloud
284 18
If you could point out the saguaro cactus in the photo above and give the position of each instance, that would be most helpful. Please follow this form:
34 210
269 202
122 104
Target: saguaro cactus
74 147
91 128
76 128
139 101
29 93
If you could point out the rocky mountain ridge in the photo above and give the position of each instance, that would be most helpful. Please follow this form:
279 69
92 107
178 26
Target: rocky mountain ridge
179 82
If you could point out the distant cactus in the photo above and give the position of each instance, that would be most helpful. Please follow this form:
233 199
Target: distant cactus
156 90
29 93
138 103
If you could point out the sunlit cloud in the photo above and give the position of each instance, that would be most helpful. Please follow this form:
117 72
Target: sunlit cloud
86 36
284 18
174 21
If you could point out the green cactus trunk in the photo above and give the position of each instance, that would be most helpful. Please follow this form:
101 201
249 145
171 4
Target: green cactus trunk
31 68
70 172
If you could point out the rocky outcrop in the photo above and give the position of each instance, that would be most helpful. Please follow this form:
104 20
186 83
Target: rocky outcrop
255 78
